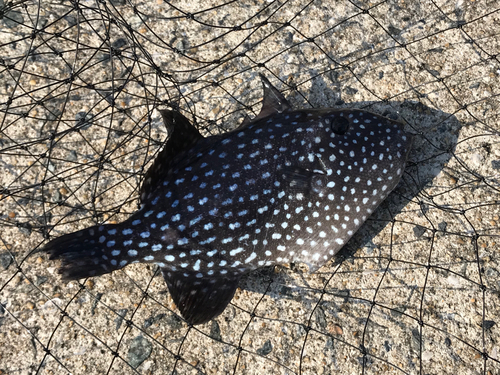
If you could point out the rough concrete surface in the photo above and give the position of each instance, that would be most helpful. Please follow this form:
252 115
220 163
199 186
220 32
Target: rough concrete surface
416 291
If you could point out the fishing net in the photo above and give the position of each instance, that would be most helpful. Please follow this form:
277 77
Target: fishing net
416 290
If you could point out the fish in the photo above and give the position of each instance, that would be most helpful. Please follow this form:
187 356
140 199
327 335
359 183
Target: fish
288 186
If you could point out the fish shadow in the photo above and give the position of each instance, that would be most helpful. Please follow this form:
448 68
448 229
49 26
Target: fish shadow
435 139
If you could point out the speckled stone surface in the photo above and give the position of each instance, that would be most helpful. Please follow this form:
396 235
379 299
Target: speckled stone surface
415 291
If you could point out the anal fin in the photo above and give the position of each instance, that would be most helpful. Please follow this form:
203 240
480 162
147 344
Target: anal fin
200 299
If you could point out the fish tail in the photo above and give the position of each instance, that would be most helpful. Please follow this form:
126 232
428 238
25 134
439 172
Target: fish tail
85 253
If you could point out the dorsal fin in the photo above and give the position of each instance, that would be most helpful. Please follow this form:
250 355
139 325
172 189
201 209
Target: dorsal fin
182 136
246 121
273 103
200 300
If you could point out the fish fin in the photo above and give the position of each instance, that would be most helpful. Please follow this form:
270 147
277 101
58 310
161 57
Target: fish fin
273 102
82 254
200 299
301 179
297 177
246 121
182 136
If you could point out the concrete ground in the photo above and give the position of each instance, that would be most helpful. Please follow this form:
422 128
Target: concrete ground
416 291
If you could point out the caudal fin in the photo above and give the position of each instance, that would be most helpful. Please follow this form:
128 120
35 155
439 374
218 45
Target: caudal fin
84 253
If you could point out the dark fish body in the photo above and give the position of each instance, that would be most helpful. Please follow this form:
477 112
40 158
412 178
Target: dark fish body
287 186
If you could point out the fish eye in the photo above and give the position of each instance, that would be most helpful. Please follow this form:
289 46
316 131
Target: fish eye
339 125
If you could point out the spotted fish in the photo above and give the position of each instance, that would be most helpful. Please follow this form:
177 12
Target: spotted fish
286 186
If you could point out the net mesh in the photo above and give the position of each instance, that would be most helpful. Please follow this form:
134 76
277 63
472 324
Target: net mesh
416 291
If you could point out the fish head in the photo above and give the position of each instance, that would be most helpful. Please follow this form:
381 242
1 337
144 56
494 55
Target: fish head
364 154
363 143
347 164
365 159
347 145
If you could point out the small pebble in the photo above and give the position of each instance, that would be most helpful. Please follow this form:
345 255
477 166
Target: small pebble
84 120
63 191
39 280
335 329
72 156
119 319
488 324
140 349
266 348
215 331
90 284
418 231
5 260
476 160
427 355
30 305
12 214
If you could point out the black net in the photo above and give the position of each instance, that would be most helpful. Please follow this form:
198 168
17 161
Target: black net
416 291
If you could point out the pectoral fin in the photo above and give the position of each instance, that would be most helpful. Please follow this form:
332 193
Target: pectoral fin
303 180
